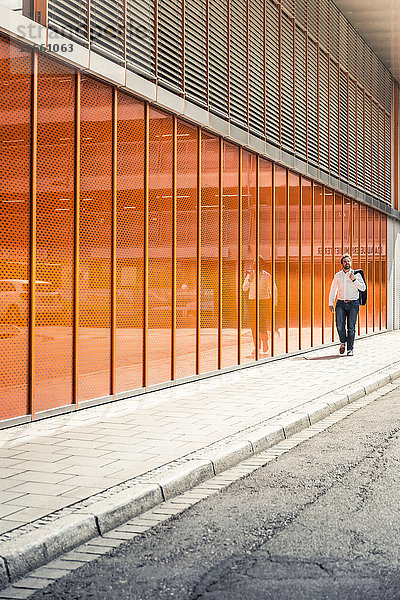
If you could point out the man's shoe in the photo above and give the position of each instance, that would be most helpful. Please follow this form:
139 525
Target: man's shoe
349 352
342 348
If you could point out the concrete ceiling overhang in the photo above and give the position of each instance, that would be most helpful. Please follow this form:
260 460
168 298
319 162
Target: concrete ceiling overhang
378 22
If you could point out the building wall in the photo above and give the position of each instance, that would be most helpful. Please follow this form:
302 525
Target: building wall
138 228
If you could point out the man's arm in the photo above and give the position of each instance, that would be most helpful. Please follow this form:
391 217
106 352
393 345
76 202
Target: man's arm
359 282
332 293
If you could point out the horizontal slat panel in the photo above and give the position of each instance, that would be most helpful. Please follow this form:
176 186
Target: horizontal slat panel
238 63
140 35
333 118
388 174
323 111
375 151
196 50
360 138
368 149
334 30
169 52
352 134
381 153
218 59
70 15
300 94
287 110
343 126
272 79
312 124
107 26
256 67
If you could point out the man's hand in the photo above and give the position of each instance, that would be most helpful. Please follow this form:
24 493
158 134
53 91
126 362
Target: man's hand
331 308
352 277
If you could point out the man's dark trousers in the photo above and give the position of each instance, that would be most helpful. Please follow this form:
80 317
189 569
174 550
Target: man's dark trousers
347 311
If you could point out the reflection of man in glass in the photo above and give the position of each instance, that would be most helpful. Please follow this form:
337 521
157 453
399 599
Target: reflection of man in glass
346 285
264 297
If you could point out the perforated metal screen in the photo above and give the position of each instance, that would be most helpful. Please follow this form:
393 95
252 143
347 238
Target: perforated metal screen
55 235
15 81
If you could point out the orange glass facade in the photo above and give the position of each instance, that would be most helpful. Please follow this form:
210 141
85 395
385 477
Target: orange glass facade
138 229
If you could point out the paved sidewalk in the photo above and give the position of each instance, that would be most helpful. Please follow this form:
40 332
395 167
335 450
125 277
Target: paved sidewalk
60 468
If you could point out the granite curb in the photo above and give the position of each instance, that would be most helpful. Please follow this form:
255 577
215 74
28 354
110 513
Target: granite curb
102 513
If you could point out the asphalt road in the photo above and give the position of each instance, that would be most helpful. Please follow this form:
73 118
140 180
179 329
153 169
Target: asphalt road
320 522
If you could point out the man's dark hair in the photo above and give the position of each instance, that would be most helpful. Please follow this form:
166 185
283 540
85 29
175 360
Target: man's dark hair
343 257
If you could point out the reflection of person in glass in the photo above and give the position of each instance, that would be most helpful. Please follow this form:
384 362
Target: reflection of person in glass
264 297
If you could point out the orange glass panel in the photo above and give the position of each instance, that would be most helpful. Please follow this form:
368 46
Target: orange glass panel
294 289
55 235
186 251
209 253
130 224
318 250
377 277
230 241
306 247
355 252
371 269
95 234
280 260
346 226
338 248
333 222
384 270
265 248
363 265
248 332
15 115
160 247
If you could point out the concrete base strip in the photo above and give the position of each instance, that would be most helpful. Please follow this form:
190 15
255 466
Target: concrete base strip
35 548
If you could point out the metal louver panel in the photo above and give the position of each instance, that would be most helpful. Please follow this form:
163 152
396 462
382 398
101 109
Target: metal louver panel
169 44
343 126
218 57
360 138
287 109
334 30
301 13
352 52
388 91
368 148
140 36
375 77
333 118
360 61
288 7
238 63
313 18
312 104
272 78
324 24
388 173
300 94
256 68
196 51
375 150
323 111
107 27
70 16
343 42
368 70
352 134
381 157
382 82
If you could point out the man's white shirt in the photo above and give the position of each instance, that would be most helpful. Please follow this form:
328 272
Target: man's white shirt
345 288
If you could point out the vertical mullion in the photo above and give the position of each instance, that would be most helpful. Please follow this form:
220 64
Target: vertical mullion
114 243
257 221
146 248
77 160
312 260
300 261
287 262
380 271
220 229
240 256
323 265
273 291
198 251
174 184
333 253
359 252
33 190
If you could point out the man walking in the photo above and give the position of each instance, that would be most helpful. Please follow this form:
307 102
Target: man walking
346 285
